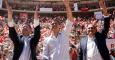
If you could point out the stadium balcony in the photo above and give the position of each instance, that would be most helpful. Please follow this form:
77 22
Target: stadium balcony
55 5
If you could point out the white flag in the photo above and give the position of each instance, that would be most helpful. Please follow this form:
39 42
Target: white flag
0 3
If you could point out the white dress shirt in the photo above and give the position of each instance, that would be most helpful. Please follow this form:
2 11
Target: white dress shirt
57 48
92 50
26 52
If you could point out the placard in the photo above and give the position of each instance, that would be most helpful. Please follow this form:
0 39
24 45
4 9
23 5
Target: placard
46 9
98 15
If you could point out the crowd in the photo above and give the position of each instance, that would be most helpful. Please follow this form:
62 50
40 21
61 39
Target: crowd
55 25
56 6
78 31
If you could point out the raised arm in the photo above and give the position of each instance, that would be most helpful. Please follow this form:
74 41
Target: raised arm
103 7
106 18
9 10
68 10
12 31
37 34
69 16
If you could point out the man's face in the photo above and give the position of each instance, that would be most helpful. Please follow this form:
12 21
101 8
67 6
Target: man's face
91 29
72 38
62 26
55 27
26 31
99 28
112 45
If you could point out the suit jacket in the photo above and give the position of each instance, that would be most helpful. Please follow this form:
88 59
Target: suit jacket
19 45
100 40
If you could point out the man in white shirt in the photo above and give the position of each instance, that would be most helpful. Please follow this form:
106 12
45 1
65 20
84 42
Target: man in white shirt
24 45
93 46
56 47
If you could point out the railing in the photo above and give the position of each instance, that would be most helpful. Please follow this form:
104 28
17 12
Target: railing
92 10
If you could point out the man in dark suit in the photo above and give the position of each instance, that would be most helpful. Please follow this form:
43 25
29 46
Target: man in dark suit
25 44
93 46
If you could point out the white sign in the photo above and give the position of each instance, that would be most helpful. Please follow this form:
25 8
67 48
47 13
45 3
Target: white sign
98 15
75 7
0 3
46 9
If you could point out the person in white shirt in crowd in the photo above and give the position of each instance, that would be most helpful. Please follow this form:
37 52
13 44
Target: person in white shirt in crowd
93 46
25 44
56 47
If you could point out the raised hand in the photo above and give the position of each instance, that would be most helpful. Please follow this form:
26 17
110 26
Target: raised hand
66 2
36 13
68 9
9 10
103 7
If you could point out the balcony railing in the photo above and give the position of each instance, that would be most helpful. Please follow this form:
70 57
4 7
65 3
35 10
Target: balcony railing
92 10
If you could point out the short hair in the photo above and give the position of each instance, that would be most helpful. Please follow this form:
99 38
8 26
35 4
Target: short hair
28 25
57 20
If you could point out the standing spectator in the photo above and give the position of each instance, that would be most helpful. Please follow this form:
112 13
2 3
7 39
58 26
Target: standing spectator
56 47
93 46
24 45
73 52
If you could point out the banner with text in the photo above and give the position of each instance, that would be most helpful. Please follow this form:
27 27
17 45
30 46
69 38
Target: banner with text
46 9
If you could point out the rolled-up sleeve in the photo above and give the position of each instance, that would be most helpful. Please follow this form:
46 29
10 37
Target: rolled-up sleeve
11 23
36 23
68 26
